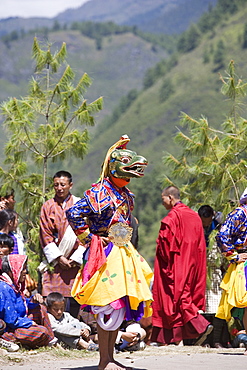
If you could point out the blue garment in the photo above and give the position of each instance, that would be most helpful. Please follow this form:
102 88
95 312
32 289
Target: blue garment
115 206
240 338
232 237
207 230
12 308
15 249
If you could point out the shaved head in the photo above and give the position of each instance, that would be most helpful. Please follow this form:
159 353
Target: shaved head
171 190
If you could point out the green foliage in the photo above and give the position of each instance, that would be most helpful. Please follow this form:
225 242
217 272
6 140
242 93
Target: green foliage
189 40
245 36
213 162
219 55
44 127
166 90
206 56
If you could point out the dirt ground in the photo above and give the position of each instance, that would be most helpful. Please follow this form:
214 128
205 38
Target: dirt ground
155 358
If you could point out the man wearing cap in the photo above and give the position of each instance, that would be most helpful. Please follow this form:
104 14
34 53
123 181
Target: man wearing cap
232 241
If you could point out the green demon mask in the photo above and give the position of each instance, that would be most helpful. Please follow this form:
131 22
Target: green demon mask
125 164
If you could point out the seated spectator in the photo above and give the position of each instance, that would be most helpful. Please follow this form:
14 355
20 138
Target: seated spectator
130 337
30 329
68 330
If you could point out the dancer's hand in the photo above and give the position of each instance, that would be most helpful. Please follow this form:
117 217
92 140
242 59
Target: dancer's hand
242 257
105 240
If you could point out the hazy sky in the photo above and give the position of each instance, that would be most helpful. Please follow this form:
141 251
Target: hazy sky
36 8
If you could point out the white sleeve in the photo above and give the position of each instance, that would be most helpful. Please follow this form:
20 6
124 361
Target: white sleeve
77 256
52 252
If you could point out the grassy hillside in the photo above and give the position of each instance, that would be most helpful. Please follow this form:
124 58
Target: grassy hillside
115 69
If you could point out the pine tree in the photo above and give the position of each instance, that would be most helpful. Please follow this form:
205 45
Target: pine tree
219 55
44 127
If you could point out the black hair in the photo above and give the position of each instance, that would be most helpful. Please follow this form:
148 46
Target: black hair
63 174
172 190
5 265
206 211
9 193
5 216
7 240
54 297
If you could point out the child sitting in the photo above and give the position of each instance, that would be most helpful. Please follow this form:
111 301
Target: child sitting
66 328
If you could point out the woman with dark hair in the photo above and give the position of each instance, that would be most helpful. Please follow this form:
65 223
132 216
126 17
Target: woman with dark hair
19 313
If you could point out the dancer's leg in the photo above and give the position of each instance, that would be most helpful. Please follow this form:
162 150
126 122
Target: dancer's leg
106 349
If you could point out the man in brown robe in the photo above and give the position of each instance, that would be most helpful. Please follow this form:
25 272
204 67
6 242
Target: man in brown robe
60 245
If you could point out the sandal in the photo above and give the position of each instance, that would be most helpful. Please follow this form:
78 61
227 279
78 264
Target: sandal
93 347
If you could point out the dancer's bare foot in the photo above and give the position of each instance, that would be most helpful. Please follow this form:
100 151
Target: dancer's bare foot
122 366
111 366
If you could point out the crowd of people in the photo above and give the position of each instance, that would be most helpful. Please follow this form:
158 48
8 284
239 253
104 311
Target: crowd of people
101 295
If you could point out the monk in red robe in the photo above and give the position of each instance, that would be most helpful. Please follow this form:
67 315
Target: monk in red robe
179 275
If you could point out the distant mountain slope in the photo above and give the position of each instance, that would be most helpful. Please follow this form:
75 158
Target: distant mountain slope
155 16
11 24
170 20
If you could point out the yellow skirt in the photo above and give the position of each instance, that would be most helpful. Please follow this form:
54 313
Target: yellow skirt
125 273
234 291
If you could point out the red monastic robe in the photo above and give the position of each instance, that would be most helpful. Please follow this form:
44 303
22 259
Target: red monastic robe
179 277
